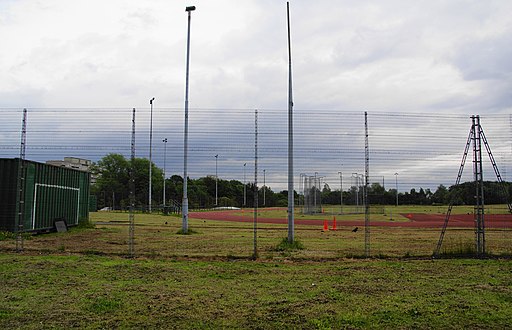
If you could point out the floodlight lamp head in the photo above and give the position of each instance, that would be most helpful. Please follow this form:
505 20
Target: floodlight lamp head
151 101
190 8
164 140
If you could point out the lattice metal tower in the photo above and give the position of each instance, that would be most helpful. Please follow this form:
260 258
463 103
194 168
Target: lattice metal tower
367 175
20 214
475 138
255 222
479 187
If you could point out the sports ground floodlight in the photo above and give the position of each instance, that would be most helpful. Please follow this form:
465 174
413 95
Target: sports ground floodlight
184 206
150 150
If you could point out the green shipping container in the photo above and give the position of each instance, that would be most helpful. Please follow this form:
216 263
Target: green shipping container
50 193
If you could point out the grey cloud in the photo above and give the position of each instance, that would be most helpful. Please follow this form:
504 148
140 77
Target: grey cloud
25 97
486 59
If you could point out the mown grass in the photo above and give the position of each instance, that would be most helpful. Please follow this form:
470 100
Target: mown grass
156 236
381 213
207 280
94 292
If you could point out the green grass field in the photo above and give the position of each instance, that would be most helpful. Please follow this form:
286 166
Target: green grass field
206 280
155 235
103 292
378 213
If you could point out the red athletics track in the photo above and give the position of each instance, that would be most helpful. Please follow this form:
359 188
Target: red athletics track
416 220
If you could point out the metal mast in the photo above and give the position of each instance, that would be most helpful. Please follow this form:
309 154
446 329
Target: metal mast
216 180
291 206
131 238
255 238
184 210
150 153
476 136
245 187
20 219
165 157
367 175
479 188
341 192
264 186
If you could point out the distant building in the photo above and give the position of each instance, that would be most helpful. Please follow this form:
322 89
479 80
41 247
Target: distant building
79 164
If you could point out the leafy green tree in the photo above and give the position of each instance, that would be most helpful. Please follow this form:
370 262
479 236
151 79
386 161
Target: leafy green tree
441 196
174 188
112 186
141 177
113 177
112 182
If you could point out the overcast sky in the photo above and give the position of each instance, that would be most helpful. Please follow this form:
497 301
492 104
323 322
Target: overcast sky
450 58
426 56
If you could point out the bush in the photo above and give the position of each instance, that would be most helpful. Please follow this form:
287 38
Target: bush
5 235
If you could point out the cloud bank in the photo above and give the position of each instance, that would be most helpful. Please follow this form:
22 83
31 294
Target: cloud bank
352 55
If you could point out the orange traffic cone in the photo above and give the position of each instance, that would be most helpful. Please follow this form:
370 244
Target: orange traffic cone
334 224
326 226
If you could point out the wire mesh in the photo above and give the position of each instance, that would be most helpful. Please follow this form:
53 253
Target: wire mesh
312 195
412 155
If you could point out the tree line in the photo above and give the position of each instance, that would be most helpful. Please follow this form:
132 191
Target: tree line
113 177
462 194
113 180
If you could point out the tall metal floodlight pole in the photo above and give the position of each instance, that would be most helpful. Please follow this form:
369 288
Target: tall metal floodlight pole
291 203
361 188
184 211
302 177
314 185
216 179
245 191
165 157
396 187
341 191
356 176
264 186
150 148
